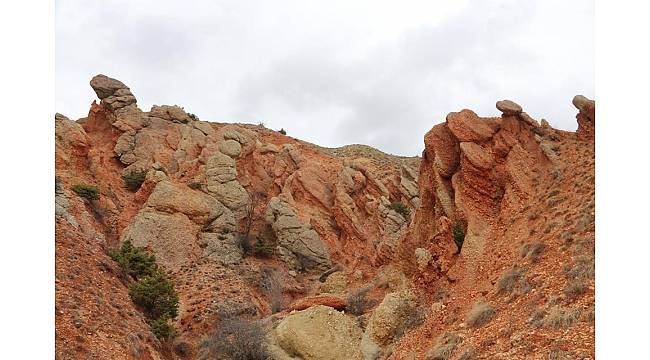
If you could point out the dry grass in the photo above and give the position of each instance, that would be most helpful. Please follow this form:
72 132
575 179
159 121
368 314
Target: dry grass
443 347
562 317
513 280
532 250
480 314
357 302
469 354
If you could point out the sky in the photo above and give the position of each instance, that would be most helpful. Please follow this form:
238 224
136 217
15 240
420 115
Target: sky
334 72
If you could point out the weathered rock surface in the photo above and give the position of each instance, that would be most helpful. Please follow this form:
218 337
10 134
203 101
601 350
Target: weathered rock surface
296 236
319 333
508 107
386 322
113 93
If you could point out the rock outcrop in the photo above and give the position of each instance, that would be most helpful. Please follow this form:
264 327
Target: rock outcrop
297 237
318 333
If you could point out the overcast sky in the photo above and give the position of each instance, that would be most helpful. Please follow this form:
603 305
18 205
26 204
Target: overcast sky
331 72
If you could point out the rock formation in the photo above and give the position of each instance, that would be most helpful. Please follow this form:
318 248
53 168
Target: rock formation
335 249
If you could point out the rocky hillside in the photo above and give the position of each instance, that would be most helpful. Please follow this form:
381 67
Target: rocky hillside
482 248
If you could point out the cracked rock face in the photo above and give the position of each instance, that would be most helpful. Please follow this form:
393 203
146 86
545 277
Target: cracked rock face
221 175
296 236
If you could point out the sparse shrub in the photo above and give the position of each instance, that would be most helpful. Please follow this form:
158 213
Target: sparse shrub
244 242
162 329
532 250
193 117
235 339
537 318
401 209
458 232
469 354
86 191
558 317
282 131
480 314
156 294
357 302
134 179
574 289
444 347
513 279
261 247
134 261
413 318
272 288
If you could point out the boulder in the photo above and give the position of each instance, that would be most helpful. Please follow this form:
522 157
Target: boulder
467 126
296 236
508 107
170 113
336 283
319 333
231 148
112 93
222 183
388 320
168 197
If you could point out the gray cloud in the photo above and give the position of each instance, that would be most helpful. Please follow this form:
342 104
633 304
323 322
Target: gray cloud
375 75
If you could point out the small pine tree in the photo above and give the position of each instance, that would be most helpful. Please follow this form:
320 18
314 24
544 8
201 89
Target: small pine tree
134 261
282 131
134 179
86 191
459 235
156 294
162 329
261 248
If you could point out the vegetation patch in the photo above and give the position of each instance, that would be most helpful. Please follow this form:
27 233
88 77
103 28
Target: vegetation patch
134 179
86 191
532 250
558 317
514 280
444 347
152 290
401 209
458 233
236 339
480 314
134 261
282 131
357 302
470 353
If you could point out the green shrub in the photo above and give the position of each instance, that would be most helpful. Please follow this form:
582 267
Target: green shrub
262 248
134 179
133 261
193 117
162 329
459 235
282 131
401 209
156 294
86 191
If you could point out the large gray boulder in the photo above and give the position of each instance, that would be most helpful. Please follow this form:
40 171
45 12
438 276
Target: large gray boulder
295 235
221 176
